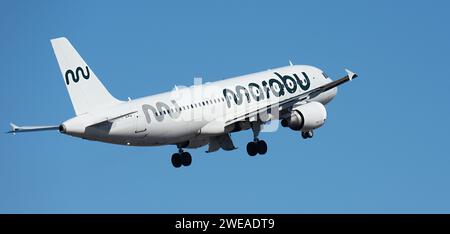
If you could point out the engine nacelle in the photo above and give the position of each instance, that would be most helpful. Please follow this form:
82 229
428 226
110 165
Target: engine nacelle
306 117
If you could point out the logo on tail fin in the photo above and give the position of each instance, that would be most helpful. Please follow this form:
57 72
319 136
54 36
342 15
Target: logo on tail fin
75 76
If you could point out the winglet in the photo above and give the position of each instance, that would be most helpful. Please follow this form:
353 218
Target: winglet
351 75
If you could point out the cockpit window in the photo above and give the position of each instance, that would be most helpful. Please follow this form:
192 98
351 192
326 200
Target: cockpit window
325 75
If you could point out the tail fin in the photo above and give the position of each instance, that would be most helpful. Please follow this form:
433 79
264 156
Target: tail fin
85 89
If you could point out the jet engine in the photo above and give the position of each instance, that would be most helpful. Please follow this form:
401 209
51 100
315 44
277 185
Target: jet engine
306 117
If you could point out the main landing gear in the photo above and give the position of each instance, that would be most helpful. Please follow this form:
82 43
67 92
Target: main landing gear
181 158
308 134
256 146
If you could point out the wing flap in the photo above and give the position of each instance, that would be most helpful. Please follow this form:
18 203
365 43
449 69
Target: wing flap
223 141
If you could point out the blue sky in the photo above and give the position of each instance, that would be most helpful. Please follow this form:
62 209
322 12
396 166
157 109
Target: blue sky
384 148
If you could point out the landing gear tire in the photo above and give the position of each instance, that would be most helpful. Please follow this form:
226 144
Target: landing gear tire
256 147
252 149
187 159
308 134
181 159
304 135
262 147
177 160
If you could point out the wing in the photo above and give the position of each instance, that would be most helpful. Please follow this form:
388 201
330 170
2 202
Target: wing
16 128
283 105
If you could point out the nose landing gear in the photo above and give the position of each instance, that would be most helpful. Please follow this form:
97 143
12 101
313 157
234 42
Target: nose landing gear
308 134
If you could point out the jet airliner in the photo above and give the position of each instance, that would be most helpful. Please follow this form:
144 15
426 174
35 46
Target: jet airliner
195 116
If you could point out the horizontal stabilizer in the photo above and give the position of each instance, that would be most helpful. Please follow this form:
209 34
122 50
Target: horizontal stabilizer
15 128
110 119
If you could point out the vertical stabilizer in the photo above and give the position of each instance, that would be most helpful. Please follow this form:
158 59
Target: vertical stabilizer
86 91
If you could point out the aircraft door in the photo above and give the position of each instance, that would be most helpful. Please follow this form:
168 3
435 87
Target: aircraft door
141 128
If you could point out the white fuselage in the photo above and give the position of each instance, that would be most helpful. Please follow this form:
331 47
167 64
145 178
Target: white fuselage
180 115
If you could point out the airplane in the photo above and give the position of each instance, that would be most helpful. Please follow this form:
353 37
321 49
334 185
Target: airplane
195 116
